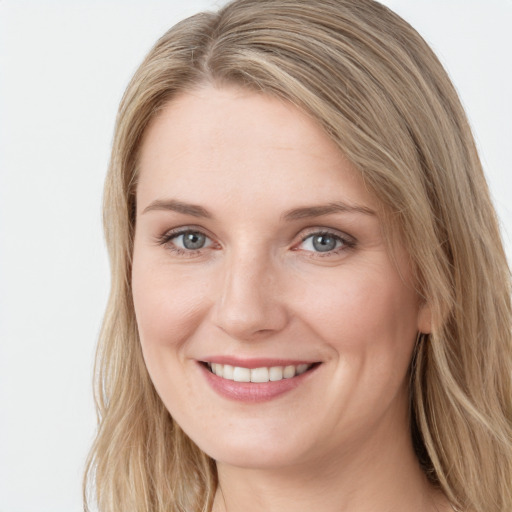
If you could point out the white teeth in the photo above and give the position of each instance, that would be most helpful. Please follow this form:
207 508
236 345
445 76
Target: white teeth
218 369
275 373
228 372
241 374
301 368
289 372
260 375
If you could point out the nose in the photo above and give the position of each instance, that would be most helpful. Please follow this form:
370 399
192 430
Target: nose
250 304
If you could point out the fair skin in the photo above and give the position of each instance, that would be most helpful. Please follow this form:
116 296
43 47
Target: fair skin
241 259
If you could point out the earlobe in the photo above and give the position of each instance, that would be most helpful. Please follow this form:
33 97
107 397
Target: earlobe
424 319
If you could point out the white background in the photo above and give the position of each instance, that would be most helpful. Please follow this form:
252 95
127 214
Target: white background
63 67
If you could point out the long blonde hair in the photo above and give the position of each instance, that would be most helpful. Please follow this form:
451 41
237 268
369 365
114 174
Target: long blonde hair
384 98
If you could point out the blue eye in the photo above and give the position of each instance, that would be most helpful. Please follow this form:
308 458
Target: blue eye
185 241
323 242
192 240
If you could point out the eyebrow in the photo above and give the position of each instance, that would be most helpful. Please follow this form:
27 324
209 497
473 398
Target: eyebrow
178 206
318 211
290 215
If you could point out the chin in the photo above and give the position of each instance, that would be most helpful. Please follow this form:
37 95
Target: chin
253 453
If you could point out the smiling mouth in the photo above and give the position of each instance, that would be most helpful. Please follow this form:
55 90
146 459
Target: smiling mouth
258 375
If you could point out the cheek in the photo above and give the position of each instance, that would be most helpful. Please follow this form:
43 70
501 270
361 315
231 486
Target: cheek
168 308
167 304
361 309
369 321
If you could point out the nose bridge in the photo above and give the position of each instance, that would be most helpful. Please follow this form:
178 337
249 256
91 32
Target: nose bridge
248 304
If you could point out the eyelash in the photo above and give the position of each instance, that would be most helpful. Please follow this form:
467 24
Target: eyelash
347 242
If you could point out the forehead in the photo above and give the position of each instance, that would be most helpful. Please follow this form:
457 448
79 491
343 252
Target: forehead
243 145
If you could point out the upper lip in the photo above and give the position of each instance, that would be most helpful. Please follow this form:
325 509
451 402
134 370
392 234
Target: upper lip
259 362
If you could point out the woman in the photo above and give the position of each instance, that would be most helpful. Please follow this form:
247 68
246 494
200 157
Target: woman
310 302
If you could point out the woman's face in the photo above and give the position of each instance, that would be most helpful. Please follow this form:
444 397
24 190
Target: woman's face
259 254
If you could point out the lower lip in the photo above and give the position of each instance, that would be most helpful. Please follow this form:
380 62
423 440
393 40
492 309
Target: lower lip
251 391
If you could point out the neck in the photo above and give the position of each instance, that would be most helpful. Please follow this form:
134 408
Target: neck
380 475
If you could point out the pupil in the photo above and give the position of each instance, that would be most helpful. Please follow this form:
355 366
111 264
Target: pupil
324 243
193 240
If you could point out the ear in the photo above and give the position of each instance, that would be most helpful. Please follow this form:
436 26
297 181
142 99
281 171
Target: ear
424 319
